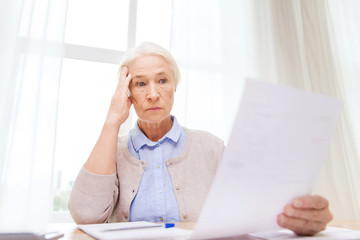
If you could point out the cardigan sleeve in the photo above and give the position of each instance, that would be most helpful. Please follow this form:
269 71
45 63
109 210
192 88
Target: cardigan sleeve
93 197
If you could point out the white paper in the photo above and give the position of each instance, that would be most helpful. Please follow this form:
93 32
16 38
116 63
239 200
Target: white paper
331 233
97 231
279 140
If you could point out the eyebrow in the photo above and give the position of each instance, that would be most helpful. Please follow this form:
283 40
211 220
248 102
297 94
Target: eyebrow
157 74
138 76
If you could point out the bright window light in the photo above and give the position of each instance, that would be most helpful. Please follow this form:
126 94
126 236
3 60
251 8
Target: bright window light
85 93
154 22
101 24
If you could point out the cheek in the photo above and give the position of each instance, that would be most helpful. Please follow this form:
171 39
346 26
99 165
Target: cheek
170 97
137 99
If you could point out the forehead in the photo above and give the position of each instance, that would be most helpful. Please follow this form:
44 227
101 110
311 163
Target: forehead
147 65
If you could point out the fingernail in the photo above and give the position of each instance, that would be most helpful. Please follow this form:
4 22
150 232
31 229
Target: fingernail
298 203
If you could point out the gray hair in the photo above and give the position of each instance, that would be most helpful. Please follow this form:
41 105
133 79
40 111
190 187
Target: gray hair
151 49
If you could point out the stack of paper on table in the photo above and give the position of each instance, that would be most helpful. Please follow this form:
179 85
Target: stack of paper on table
99 231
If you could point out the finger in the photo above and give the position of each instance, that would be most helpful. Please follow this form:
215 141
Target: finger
310 201
300 226
124 77
322 215
128 79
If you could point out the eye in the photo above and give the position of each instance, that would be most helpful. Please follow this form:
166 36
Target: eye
140 84
163 81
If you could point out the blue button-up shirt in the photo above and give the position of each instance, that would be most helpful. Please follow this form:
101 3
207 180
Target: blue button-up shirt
155 200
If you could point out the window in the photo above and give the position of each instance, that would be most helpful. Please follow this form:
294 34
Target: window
97 34
101 24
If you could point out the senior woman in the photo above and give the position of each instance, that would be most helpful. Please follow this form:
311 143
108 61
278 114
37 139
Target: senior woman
161 171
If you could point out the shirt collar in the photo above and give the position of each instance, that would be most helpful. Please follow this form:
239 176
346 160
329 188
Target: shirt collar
139 139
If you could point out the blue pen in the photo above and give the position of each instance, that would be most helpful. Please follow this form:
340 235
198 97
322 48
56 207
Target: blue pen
169 225
165 225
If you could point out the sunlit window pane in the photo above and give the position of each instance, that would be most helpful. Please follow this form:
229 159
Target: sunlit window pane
154 25
193 94
95 23
86 89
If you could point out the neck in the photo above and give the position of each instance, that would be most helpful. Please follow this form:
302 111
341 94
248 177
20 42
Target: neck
155 131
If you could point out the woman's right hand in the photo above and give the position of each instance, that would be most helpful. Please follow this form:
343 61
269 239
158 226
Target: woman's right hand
120 102
102 159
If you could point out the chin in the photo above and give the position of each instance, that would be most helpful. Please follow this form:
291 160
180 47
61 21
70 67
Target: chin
154 118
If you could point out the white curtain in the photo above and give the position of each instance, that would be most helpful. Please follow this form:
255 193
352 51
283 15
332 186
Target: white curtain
31 49
304 53
302 43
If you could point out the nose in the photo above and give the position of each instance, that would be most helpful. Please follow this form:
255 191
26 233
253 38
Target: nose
153 93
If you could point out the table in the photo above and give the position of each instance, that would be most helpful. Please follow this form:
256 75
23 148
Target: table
73 233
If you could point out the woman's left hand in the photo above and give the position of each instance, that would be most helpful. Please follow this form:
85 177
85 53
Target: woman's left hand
306 215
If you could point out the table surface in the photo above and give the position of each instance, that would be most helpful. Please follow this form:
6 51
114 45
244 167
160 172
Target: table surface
73 233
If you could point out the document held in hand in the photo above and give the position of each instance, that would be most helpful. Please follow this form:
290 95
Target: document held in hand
279 141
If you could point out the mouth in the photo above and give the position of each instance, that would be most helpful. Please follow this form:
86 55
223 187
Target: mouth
153 109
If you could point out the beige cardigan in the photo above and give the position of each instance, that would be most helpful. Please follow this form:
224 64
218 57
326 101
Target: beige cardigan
107 198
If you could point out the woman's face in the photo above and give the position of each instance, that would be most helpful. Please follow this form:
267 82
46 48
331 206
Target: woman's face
152 88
